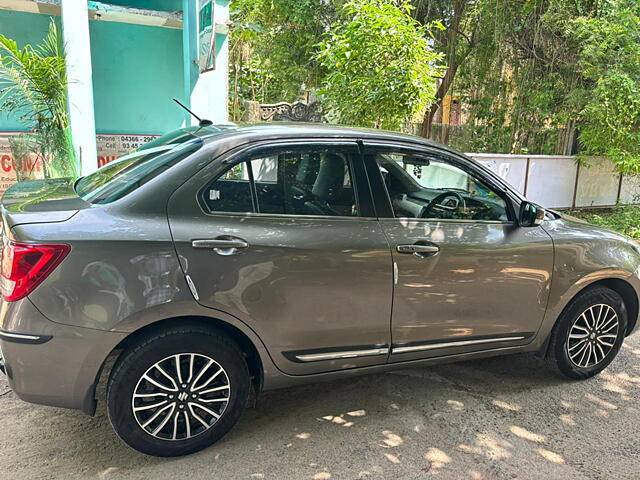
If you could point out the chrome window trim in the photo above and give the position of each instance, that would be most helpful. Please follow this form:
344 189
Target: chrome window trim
287 215
241 153
315 357
448 220
460 343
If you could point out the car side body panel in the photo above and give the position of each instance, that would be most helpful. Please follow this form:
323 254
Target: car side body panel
123 274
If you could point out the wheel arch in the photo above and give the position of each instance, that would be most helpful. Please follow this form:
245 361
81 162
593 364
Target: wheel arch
246 345
629 297
618 285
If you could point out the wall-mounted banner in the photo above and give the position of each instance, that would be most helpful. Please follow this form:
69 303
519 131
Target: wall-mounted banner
109 146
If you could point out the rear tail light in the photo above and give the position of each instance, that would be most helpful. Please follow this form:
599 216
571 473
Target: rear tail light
26 265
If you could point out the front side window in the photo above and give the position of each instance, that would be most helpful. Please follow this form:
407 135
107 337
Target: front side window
429 186
287 182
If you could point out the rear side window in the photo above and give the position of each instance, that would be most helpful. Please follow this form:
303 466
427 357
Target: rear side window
119 178
298 182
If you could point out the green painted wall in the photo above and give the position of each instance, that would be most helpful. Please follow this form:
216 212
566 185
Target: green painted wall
136 71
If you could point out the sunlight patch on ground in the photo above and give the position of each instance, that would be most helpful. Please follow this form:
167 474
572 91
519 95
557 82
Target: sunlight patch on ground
526 434
105 473
437 458
567 420
551 456
507 406
392 458
392 440
357 413
600 402
489 447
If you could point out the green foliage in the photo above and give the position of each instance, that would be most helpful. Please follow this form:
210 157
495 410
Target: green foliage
625 220
381 68
33 84
529 73
33 81
272 49
608 48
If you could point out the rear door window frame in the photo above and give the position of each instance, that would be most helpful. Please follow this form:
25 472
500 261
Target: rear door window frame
245 153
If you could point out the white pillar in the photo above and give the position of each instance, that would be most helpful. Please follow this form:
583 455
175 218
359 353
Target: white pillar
210 92
75 29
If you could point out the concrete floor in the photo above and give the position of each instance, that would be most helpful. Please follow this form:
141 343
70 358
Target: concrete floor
505 417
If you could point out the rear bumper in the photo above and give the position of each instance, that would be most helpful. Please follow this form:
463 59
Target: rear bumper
49 363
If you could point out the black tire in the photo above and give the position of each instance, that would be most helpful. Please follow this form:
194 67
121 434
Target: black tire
138 360
559 348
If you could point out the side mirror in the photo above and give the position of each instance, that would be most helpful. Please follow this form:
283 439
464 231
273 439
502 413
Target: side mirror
531 215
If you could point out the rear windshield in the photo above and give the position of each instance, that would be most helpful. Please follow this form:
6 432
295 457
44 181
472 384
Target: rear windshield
121 177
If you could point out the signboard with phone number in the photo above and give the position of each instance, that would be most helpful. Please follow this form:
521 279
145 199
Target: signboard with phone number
109 146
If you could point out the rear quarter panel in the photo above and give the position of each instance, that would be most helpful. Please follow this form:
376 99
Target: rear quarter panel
118 265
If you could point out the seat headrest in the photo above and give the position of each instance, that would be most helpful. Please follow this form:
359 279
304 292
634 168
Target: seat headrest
308 169
330 181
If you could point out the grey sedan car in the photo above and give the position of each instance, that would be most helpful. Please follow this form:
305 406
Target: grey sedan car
216 263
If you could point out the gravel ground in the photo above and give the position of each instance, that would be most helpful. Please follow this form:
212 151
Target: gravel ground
506 417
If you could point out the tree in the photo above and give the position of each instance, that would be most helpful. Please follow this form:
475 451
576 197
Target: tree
272 49
380 67
33 84
608 59
456 41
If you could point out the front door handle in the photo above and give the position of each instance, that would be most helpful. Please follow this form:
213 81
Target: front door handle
222 246
418 249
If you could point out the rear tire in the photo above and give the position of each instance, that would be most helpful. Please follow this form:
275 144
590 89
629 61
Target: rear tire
190 385
589 333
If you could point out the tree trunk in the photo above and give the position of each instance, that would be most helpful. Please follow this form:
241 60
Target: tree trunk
443 88
450 42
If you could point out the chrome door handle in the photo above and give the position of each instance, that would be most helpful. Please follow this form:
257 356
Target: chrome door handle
418 249
222 246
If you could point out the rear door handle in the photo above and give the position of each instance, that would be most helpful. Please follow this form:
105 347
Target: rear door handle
222 246
418 249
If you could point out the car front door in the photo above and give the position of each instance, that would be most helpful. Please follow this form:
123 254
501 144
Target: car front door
285 239
467 277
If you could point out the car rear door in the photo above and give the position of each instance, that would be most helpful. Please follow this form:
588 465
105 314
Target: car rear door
284 238
464 282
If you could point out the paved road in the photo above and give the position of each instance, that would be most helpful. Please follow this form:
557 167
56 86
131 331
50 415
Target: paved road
500 418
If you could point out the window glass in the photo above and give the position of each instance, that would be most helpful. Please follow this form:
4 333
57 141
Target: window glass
231 192
422 186
296 182
121 177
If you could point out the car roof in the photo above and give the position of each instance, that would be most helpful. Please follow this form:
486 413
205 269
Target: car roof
266 131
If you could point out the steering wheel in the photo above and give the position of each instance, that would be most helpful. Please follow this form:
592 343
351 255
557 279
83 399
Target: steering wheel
437 204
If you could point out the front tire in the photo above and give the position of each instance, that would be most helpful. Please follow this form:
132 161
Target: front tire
589 333
178 391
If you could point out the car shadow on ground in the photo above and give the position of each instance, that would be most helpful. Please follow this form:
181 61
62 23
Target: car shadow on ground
476 408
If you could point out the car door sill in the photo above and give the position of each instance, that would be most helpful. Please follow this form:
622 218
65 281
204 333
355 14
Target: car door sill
425 346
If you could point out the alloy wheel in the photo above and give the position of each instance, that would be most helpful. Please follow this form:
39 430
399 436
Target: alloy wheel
592 336
181 396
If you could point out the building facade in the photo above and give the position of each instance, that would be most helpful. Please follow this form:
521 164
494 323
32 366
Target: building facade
126 60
